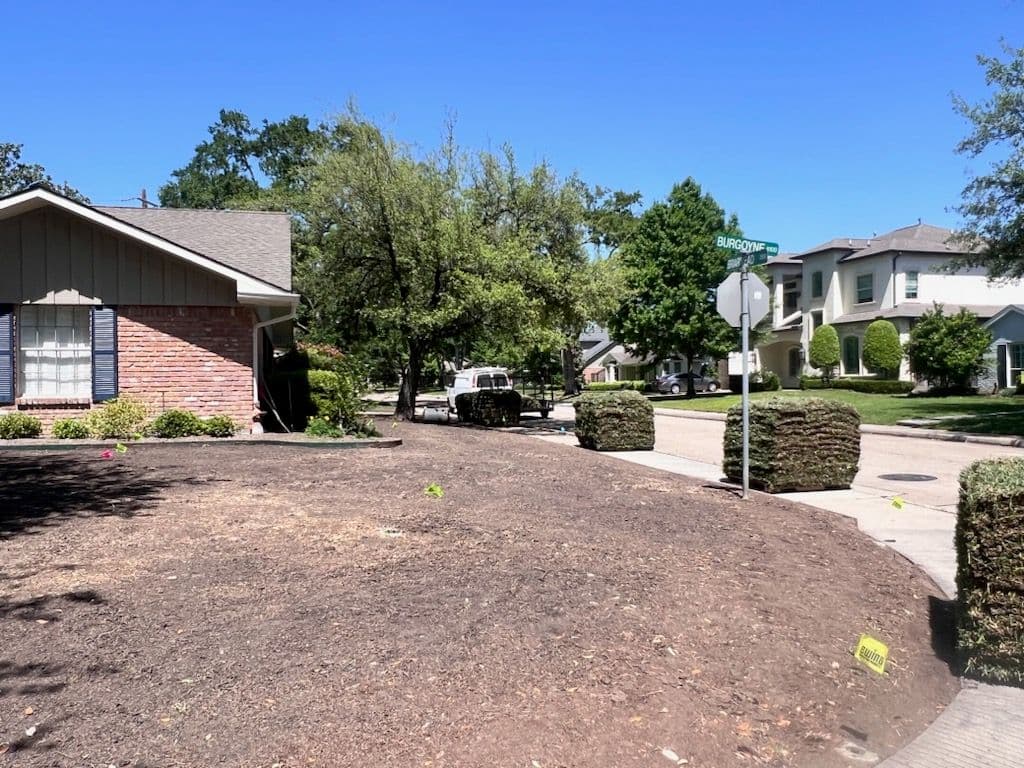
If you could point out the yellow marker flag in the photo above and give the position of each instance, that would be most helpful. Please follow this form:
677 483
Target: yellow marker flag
872 653
897 502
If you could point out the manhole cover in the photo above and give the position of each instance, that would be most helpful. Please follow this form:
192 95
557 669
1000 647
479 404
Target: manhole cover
908 477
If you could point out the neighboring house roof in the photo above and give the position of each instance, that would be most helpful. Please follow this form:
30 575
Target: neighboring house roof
783 258
596 351
593 333
917 238
916 309
1008 309
255 242
250 287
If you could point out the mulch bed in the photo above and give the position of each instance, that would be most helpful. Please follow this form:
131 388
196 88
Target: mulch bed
199 606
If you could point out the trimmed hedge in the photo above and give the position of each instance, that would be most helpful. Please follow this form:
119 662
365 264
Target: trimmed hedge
990 570
795 445
219 426
122 418
615 421
867 386
490 407
70 429
176 422
637 385
15 426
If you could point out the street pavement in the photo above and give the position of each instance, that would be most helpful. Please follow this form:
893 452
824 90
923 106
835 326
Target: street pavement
984 725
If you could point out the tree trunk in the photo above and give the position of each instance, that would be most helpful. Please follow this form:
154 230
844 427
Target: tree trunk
691 391
568 355
407 391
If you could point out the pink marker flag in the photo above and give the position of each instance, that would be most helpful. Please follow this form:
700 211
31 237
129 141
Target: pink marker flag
107 454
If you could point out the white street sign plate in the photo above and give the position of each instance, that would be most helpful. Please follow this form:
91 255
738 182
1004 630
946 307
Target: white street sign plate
728 299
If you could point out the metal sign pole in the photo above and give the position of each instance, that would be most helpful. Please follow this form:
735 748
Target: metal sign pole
745 333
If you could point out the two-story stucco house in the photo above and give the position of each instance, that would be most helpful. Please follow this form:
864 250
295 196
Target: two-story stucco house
850 282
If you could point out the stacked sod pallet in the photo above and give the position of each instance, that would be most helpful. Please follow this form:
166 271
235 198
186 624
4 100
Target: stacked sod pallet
615 421
795 445
990 570
490 407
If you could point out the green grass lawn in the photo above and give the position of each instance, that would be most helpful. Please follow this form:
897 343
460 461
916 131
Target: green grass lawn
980 413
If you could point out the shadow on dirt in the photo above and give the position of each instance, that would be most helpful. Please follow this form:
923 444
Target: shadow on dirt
942 621
42 490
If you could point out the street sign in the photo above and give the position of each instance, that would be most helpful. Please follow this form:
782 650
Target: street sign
729 300
734 262
746 245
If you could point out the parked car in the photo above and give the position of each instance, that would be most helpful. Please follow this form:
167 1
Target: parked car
674 383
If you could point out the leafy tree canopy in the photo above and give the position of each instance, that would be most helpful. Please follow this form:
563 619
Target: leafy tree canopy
670 264
993 202
15 174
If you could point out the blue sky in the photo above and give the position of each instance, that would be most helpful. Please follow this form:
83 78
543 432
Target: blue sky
810 120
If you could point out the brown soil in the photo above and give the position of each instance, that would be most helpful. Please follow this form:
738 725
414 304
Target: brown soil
261 606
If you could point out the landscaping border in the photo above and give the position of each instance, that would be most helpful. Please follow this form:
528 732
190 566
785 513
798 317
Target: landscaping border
293 439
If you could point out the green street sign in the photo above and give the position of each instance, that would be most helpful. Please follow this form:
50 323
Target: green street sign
735 262
745 245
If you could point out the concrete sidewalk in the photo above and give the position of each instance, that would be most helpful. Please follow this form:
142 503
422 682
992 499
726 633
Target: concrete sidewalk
984 725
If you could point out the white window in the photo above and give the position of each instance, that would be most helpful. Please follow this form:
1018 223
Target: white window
911 289
54 352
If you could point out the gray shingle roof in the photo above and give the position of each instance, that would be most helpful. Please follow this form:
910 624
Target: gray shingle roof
784 258
918 238
255 242
916 309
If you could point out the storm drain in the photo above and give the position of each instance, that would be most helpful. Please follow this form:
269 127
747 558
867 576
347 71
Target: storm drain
908 477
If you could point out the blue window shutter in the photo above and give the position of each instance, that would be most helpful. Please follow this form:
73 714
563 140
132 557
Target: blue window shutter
104 353
6 354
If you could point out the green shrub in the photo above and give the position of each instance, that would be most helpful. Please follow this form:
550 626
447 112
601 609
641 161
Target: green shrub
332 393
176 423
615 421
14 426
490 407
824 351
219 426
319 427
121 418
637 385
765 381
990 570
868 386
883 352
70 429
948 350
795 444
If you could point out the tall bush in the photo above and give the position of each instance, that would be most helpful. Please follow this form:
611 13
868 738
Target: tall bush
318 381
120 418
990 570
883 352
824 352
948 350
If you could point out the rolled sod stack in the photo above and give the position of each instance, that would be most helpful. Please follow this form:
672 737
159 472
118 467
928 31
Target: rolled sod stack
990 570
795 444
490 407
615 421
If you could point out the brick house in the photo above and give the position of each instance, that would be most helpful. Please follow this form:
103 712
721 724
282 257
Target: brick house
179 308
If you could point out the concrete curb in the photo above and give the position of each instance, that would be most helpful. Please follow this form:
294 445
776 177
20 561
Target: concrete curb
33 444
877 429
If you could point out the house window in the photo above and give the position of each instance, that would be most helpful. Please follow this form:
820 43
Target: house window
54 352
911 289
816 286
851 355
817 320
865 288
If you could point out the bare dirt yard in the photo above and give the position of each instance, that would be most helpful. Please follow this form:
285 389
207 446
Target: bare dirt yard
281 606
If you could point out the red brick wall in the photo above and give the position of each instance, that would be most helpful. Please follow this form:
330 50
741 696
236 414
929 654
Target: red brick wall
197 358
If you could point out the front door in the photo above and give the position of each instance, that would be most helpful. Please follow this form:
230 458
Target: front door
851 355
